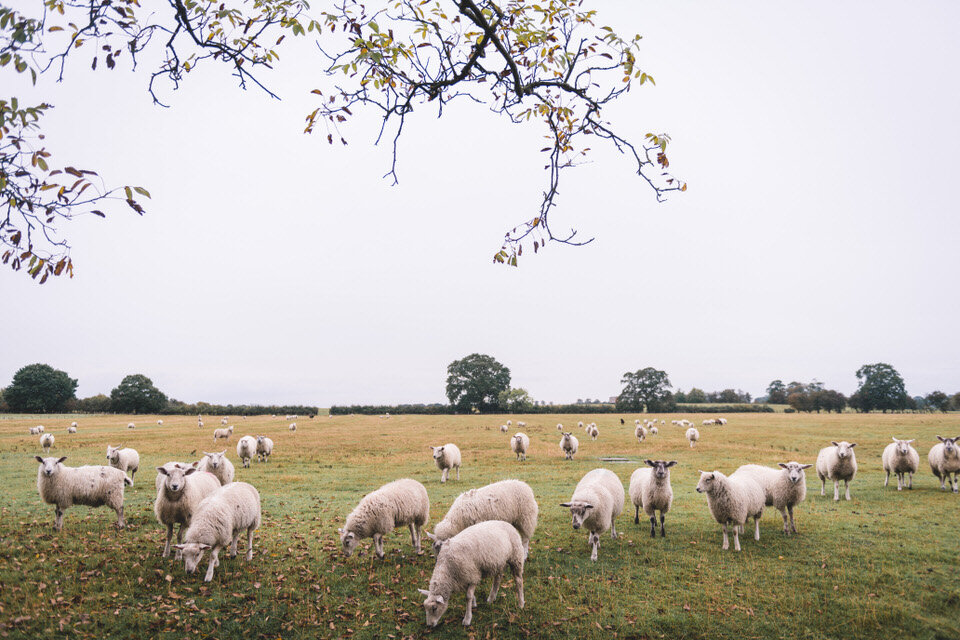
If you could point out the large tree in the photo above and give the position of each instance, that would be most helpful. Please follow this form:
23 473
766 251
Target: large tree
39 388
880 387
137 394
646 389
777 392
515 400
551 64
938 400
475 382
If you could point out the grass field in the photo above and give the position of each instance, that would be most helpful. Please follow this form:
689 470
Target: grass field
881 566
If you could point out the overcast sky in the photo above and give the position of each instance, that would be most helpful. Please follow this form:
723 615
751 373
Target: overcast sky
819 231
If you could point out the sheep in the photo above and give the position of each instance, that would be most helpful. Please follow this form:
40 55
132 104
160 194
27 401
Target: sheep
90 486
622 422
650 489
293 426
508 500
170 466
37 430
125 459
900 458
580 425
509 423
721 421
594 432
560 427
693 435
944 459
447 457
224 421
46 441
654 431
596 502
264 448
504 428
159 423
783 488
519 443
217 464
200 424
246 449
74 424
837 463
640 432
521 425
223 433
733 501
130 425
707 423
292 416
663 422
221 517
484 549
71 429
179 492
395 504
569 445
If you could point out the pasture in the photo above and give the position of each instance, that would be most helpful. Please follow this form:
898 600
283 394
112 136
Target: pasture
883 565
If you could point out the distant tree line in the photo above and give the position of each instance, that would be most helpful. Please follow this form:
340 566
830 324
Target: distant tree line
699 396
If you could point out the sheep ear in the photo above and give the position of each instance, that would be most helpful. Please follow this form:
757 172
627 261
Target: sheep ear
671 463
423 592
340 530
194 464
440 599
223 452
805 466
894 438
910 440
566 505
162 470
61 459
204 547
588 506
836 444
853 444
39 459
941 439
782 465
179 546
649 462
189 471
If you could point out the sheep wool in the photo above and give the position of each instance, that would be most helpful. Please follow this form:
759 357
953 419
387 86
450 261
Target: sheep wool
396 504
902 459
519 444
596 502
569 445
125 459
783 488
180 491
219 465
246 449
90 486
508 500
46 441
650 490
693 436
837 463
944 459
732 501
447 457
264 448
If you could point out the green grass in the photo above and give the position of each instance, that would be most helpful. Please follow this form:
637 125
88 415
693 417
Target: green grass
881 566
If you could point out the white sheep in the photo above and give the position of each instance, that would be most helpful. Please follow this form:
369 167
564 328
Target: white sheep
218 464
662 422
447 457
159 423
74 424
508 500
130 425
509 423
224 420
264 448
732 501
179 494
46 441
900 458
246 449
654 431
293 426
707 423
580 425
292 416
640 432
219 520
519 443
200 424
71 429
944 459
594 432
837 463
783 488
89 486
569 445
693 436
596 502
484 549
560 426
223 433
721 421
650 490
395 504
37 430
521 425
125 459
504 428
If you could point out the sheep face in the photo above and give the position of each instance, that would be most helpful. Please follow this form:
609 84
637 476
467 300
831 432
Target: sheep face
579 511
950 449
661 467
192 554
176 478
795 471
560 427
50 466
434 606
216 459
113 454
349 541
437 452
844 449
903 446
706 481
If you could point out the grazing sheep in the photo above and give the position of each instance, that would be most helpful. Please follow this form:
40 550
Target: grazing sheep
650 490
641 432
264 448
508 500
130 425
580 425
484 549
223 433
37 430
707 423
447 457
519 443
721 421
179 494
395 504
46 441
504 428
837 463
509 423
217 464
900 458
89 486
293 426
663 422
732 501
246 449
71 429
224 420
693 436
944 459
159 423
291 416
783 488
596 502
521 425
654 431
594 432
125 459
219 519
74 424
569 445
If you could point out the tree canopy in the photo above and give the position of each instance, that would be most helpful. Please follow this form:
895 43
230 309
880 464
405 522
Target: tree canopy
39 388
881 387
777 392
137 394
646 389
476 382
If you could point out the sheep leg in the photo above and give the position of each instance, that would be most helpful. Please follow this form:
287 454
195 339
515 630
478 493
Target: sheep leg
899 481
846 484
887 479
249 544
214 561
736 539
121 523
786 522
823 485
233 545
179 554
793 524
613 529
166 546
468 616
663 531
756 527
836 489
133 472
726 540
636 518
495 587
955 488
458 473
653 526
413 537
526 548
595 547
517 570
58 519
443 476
911 481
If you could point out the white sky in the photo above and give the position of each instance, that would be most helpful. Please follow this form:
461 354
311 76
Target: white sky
819 232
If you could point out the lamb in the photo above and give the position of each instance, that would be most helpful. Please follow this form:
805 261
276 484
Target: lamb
594 432
508 500
693 436
293 426
569 445
71 429
650 490
125 459
37 430
89 486
641 432
395 504
218 465
944 459
504 428
519 443
179 494
200 424
484 549
447 457
900 458
596 502
264 448
837 463
130 425
509 423
783 488
246 449
46 441
223 433
579 425
732 501
221 517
